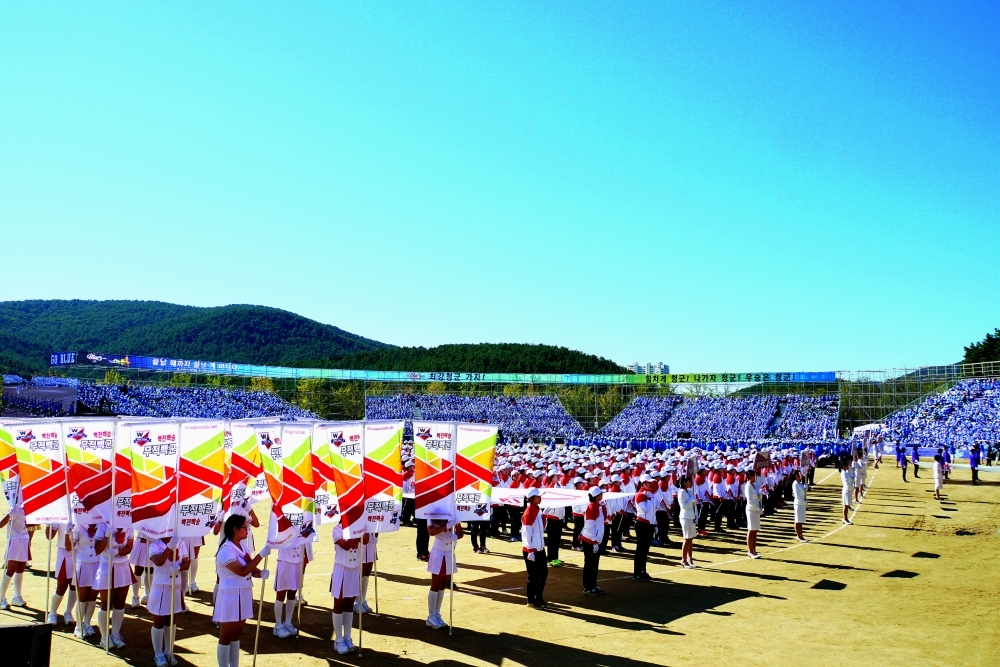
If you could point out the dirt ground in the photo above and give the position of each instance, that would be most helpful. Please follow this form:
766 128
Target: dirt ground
912 582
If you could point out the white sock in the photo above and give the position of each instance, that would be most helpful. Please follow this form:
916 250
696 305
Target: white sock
54 603
146 581
234 654
88 612
348 623
184 584
279 612
71 601
102 618
364 590
17 583
117 617
338 626
437 604
135 588
4 584
431 603
193 570
157 635
222 654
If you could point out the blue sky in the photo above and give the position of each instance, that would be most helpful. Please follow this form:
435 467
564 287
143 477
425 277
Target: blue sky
723 187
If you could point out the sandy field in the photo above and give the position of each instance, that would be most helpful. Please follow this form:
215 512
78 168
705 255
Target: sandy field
913 582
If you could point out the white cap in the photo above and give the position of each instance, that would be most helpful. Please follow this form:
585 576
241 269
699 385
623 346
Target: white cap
594 491
645 478
532 493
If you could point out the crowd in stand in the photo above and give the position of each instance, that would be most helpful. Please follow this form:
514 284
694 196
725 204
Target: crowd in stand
187 402
518 417
641 418
35 407
13 378
966 414
808 417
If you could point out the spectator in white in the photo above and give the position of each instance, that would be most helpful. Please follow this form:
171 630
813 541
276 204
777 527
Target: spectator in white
799 503
753 510
686 499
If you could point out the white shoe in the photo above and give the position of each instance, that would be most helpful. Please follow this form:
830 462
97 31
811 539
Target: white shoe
434 623
194 588
104 643
135 601
172 659
365 608
349 644
754 556
161 660
3 604
144 600
89 631
690 566
117 641
68 618
303 602
280 632
292 630
18 601
340 647
802 540
52 619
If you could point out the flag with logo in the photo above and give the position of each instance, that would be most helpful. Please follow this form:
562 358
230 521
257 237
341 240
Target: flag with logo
347 454
324 487
41 468
434 478
383 478
201 456
244 465
90 451
296 500
153 455
8 464
475 450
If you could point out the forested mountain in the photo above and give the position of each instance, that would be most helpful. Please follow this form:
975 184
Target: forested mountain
31 330
480 358
988 349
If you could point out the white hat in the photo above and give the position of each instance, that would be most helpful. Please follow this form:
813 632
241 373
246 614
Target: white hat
645 478
532 493
594 491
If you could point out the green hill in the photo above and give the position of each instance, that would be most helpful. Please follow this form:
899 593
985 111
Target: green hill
479 358
31 330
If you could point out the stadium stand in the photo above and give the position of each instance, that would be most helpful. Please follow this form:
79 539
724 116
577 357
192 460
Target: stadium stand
187 402
966 414
17 404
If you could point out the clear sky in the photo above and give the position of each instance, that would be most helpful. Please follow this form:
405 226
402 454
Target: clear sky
722 187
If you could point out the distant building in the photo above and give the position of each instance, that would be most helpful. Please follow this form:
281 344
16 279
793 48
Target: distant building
649 368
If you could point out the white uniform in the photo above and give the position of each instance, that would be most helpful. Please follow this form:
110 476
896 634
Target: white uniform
158 602
346 579
847 485
87 559
938 475
686 500
64 557
752 496
18 542
140 551
119 568
288 576
234 601
442 553
799 501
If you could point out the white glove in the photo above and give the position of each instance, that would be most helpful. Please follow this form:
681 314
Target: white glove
265 574
175 567
265 551
174 541
452 524
531 556
597 547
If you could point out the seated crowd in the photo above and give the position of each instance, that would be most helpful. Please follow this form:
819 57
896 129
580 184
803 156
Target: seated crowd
966 414
187 402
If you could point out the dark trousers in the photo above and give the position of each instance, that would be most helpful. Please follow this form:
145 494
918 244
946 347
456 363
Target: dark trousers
706 511
607 538
663 526
538 572
578 522
643 536
591 561
514 514
916 469
407 515
723 509
904 471
975 475
617 526
553 535
423 538
498 520
810 478
478 530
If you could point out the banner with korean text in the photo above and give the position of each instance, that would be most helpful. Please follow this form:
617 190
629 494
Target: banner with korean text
153 456
41 468
90 449
200 463
475 450
8 465
347 454
383 475
296 500
434 453
324 486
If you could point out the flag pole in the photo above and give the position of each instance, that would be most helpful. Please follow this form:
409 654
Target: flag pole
48 567
451 595
361 611
376 578
111 572
69 528
177 514
260 613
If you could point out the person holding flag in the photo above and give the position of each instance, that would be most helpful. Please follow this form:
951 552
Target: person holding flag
369 553
288 582
115 575
87 561
441 565
344 587
16 557
138 558
64 574
234 602
167 556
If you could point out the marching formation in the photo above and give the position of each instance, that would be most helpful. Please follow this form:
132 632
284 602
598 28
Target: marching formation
129 505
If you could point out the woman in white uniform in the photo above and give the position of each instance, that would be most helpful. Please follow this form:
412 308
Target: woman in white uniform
369 553
288 583
345 585
17 556
87 561
686 499
189 575
441 565
64 574
138 558
234 602
752 496
114 572
168 557
938 476
799 503
846 486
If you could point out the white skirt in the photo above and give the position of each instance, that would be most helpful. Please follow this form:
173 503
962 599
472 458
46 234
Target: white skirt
140 554
938 483
64 563
846 496
753 520
288 576
158 603
439 557
368 553
121 575
232 604
687 529
86 573
345 582
800 513
19 548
